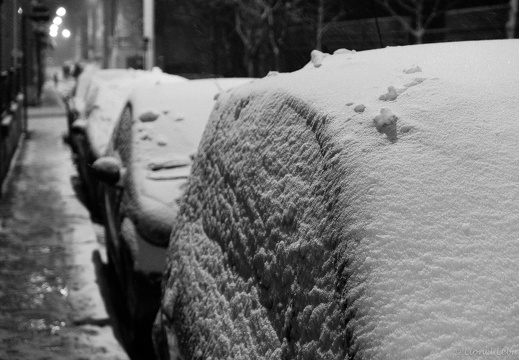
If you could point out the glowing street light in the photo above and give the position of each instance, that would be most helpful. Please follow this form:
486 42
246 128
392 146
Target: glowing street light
54 28
65 33
61 11
53 33
57 20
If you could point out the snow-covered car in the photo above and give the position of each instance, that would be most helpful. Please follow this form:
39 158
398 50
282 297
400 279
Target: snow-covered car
144 170
75 100
363 207
100 98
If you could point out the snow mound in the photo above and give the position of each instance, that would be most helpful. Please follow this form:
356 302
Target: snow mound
385 122
359 108
390 95
149 116
304 234
317 58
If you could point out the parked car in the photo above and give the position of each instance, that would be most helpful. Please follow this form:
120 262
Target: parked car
363 207
99 101
144 170
88 80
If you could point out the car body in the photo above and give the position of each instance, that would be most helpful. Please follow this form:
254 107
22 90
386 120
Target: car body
144 170
363 207
100 98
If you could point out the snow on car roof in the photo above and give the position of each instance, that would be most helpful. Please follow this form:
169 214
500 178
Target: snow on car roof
109 93
419 145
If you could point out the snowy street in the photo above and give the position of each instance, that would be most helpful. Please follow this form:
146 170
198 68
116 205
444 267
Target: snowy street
54 281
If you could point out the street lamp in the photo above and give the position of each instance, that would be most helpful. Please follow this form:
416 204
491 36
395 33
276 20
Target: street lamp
65 33
61 11
57 20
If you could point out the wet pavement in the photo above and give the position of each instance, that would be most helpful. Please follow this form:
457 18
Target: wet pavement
54 281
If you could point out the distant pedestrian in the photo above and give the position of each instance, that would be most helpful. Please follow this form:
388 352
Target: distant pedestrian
77 70
56 80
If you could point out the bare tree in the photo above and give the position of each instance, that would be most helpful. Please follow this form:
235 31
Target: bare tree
511 24
260 25
279 17
250 24
215 20
321 25
421 14
320 15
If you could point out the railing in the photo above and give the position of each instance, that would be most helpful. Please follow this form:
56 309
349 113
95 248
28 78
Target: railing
12 116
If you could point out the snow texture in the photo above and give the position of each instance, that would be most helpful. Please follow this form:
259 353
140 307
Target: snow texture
306 234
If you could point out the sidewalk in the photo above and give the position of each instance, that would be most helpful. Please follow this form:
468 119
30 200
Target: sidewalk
53 292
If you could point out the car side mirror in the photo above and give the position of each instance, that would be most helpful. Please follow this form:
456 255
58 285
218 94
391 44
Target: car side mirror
109 170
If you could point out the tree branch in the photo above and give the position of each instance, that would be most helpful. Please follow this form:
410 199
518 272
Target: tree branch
432 14
399 17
